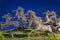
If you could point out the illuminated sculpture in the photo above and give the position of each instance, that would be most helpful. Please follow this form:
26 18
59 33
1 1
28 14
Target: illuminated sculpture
21 16
53 23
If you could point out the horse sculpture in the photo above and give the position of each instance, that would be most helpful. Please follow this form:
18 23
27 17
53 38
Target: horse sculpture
9 22
21 16
30 18
47 17
51 18
39 25
7 17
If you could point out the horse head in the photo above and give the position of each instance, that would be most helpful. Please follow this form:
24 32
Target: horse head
7 17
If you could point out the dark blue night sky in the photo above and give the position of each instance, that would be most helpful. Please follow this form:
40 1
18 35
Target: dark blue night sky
39 6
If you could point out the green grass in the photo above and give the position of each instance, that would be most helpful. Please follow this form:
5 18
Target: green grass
23 35
31 38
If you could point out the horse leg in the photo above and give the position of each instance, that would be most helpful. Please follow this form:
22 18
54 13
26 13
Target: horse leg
31 32
12 35
30 22
24 24
51 31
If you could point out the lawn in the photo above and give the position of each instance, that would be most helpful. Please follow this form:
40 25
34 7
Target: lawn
23 35
31 38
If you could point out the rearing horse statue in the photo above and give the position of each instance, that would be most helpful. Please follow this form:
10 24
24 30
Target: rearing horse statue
21 16
48 20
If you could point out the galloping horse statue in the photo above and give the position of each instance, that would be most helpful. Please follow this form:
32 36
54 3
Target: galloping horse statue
30 18
8 18
39 25
9 22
